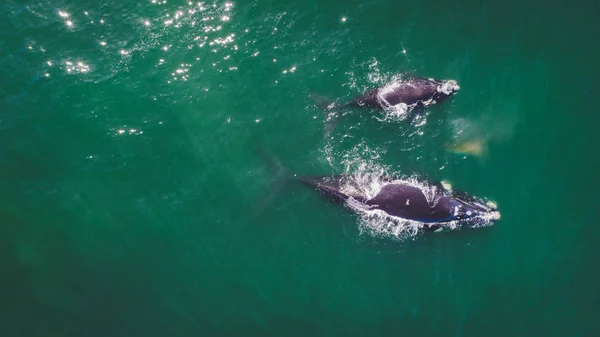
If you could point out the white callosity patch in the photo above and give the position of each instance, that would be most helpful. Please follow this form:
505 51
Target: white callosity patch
448 87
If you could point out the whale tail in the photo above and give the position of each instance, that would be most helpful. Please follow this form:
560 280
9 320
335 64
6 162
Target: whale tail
330 110
272 163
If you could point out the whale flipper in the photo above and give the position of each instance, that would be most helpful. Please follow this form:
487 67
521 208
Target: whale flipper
330 109
331 122
324 103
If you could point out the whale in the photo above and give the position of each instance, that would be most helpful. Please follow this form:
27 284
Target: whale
434 204
401 95
408 93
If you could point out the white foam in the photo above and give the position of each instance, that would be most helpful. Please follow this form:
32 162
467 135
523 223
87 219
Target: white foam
399 111
393 112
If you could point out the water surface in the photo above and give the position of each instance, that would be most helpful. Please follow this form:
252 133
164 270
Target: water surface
130 180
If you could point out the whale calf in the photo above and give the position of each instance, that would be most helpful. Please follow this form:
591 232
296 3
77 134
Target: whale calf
411 92
407 93
400 96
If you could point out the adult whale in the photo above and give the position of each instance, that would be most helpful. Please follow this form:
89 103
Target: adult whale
435 204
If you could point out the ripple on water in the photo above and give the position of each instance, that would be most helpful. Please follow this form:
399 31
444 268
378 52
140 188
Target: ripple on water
198 34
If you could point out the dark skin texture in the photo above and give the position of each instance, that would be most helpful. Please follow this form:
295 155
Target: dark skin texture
415 90
404 201
409 202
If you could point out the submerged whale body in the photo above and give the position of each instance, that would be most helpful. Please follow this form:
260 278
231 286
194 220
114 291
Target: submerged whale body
410 92
434 206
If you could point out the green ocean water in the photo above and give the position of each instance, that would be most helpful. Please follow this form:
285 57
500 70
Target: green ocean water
132 197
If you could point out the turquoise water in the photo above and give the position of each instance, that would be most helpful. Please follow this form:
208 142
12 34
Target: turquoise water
132 202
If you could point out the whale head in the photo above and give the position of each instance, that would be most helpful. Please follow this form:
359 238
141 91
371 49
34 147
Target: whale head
466 209
474 212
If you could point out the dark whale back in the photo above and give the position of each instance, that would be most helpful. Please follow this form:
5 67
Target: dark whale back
410 202
434 204
401 200
410 91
